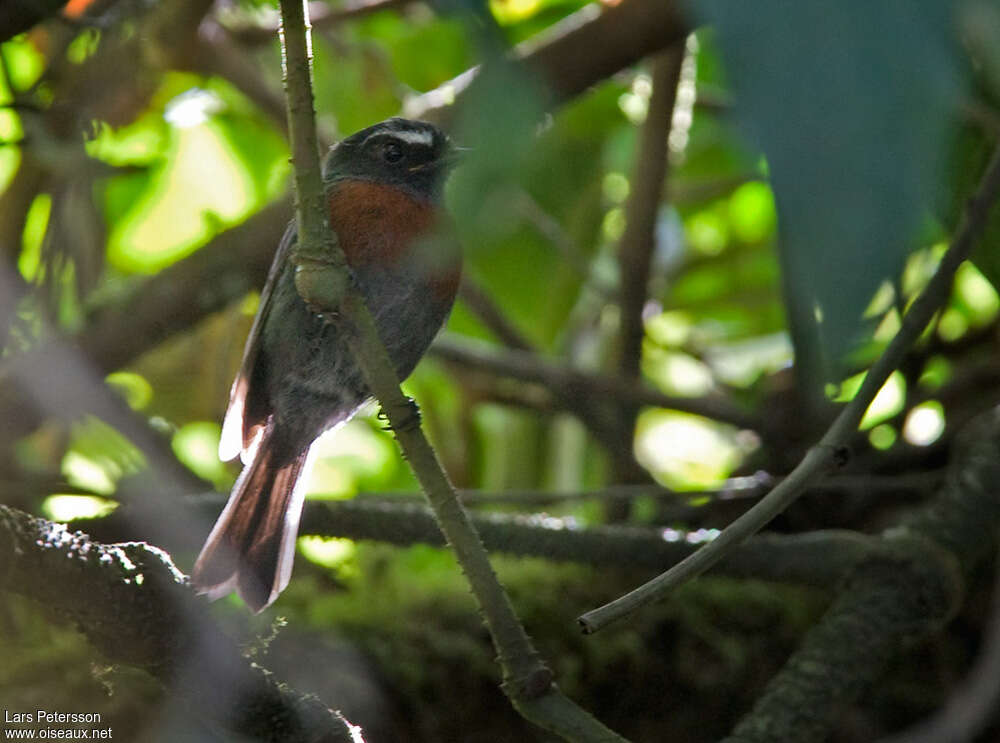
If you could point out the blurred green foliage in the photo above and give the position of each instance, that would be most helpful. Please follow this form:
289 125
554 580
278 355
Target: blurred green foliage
541 216
815 162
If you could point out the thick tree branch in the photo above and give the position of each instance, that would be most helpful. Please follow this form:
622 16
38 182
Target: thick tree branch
973 704
527 681
577 52
832 447
232 264
136 608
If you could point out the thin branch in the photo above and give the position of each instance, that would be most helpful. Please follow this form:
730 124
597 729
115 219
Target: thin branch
527 681
745 488
831 450
816 559
572 384
135 607
635 250
321 275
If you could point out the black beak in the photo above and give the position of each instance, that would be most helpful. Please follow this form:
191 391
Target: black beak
454 157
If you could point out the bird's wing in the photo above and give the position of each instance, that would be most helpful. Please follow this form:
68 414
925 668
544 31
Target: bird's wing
243 423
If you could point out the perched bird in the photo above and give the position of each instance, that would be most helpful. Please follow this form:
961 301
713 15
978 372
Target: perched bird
298 377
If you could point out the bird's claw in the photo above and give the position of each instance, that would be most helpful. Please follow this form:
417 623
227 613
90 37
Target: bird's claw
410 420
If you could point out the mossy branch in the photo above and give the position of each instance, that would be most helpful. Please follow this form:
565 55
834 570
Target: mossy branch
135 607
904 590
817 558
527 681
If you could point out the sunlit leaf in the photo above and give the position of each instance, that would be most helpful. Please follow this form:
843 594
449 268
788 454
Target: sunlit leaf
883 436
351 458
888 402
35 224
975 295
685 451
199 188
197 446
99 456
751 212
69 507
24 63
134 388
330 553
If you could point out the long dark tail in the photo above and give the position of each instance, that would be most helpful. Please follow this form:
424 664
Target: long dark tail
252 546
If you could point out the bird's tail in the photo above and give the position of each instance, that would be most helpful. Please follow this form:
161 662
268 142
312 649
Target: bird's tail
252 546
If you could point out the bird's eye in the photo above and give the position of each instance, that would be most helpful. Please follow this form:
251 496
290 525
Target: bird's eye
392 152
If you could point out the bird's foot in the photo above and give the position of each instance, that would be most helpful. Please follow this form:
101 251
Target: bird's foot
409 419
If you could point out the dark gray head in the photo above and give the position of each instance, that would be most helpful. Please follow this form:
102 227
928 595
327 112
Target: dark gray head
412 155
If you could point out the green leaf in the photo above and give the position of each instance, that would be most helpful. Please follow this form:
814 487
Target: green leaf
851 102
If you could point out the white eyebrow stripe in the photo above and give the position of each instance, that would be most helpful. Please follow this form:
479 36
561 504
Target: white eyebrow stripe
423 137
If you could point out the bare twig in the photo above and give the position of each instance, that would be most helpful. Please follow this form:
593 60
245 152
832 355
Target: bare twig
831 448
321 275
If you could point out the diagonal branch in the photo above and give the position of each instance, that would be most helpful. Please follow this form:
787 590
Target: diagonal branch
527 681
570 56
831 450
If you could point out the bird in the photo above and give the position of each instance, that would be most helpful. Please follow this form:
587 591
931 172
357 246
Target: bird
298 377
